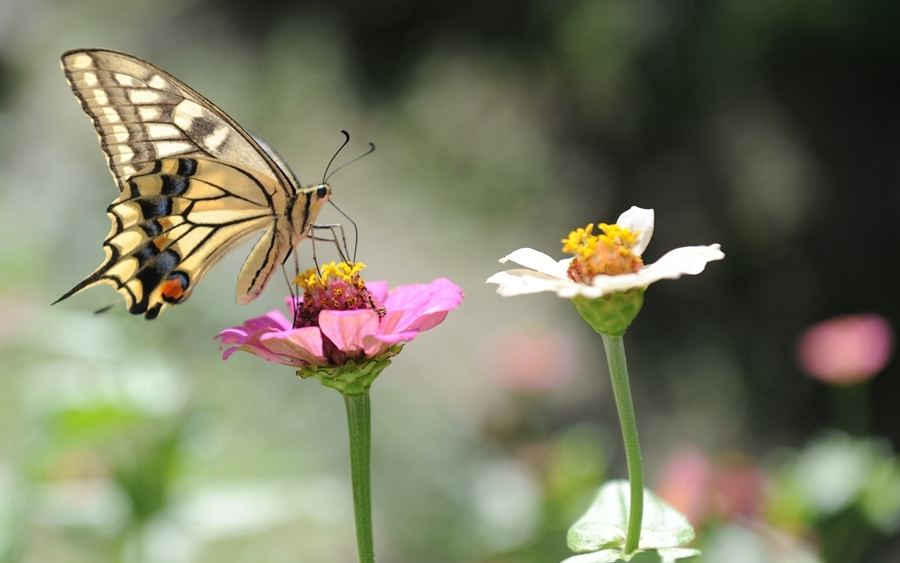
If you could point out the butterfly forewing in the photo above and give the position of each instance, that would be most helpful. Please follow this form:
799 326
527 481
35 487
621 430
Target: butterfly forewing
142 114
192 184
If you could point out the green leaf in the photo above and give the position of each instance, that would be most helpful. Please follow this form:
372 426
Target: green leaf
663 555
880 500
603 526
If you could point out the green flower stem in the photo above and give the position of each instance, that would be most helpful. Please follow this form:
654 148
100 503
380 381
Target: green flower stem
850 404
618 373
360 428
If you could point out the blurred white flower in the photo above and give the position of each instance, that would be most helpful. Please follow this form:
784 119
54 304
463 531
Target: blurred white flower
96 503
225 511
606 263
506 500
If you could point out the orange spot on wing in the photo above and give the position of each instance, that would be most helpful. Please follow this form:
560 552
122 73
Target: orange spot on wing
171 289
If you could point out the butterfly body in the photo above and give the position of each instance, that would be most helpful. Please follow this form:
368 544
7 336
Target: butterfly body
193 184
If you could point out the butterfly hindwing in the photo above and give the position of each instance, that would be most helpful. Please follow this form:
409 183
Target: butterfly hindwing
192 184
173 221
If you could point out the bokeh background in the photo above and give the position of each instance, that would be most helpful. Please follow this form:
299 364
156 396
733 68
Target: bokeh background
771 127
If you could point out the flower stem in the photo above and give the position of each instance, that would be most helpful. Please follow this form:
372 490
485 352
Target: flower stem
851 407
359 426
618 374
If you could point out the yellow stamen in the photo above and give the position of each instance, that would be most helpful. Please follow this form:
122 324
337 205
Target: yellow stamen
608 252
616 235
331 270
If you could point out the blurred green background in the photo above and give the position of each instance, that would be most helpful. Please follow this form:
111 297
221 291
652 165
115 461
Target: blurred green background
770 127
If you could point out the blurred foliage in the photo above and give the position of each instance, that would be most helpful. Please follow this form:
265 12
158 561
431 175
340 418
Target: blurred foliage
770 127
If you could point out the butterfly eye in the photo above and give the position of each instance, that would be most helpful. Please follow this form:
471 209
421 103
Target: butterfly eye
322 192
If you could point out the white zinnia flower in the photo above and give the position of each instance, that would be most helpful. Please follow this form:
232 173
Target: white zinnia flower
627 238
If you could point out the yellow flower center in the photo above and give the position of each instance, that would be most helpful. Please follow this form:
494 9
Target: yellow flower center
335 286
318 278
608 252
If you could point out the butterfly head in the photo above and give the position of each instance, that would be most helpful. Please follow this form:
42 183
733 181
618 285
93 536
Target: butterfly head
306 205
323 192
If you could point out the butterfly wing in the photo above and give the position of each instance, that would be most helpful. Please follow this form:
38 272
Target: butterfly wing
192 183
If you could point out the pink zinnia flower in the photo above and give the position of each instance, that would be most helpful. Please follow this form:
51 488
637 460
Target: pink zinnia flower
846 349
340 318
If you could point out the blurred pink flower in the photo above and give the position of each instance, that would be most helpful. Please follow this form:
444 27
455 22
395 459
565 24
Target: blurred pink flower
738 488
685 483
846 349
368 323
702 490
532 360
17 312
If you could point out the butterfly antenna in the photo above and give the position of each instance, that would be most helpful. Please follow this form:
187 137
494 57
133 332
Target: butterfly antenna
334 156
355 228
349 162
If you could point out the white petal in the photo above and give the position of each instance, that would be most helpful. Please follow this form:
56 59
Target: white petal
522 282
538 261
639 220
572 289
686 260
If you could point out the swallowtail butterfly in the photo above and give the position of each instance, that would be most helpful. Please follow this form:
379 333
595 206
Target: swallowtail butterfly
192 185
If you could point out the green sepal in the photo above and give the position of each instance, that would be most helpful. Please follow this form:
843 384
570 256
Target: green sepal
351 377
611 314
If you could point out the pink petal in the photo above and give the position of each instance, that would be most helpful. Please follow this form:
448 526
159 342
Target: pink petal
247 336
300 345
378 290
385 341
273 320
348 329
258 350
228 352
398 321
232 336
420 307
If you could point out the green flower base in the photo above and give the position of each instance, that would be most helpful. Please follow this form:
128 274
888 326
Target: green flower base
351 377
611 314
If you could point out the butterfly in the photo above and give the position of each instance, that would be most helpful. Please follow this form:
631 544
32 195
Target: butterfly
192 185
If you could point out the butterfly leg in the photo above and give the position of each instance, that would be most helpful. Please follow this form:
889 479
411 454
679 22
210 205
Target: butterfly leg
288 281
338 238
336 229
355 230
